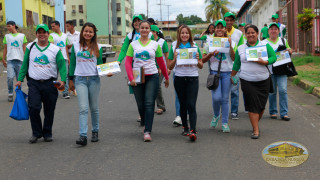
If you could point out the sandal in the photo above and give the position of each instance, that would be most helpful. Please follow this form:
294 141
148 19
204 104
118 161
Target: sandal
273 116
159 111
255 136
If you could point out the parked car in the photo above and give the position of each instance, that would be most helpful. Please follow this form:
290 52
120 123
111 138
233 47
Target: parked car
196 37
168 38
106 50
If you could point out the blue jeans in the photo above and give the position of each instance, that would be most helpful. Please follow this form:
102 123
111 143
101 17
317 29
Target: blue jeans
145 95
220 96
280 83
235 98
176 99
13 68
88 89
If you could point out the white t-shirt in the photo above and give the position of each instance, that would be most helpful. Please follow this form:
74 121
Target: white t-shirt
61 41
282 27
86 64
137 36
236 36
15 46
145 55
73 38
43 62
251 71
161 42
226 64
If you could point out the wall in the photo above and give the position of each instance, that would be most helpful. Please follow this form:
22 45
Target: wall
59 13
98 14
3 12
77 15
15 15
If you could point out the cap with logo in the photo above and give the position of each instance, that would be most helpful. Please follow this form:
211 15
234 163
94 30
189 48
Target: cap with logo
42 26
228 14
137 16
274 24
275 16
154 28
220 21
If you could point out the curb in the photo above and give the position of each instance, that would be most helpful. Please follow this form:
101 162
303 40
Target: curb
306 85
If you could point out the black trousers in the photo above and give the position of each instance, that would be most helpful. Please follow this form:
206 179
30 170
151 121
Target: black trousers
187 91
42 92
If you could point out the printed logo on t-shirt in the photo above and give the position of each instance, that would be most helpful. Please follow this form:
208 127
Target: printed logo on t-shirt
42 59
15 44
222 58
143 55
84 54
61 44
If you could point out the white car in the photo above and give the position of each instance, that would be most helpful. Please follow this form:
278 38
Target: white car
106 50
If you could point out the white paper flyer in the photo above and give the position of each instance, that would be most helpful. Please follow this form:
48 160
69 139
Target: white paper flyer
254 53
187 56
220 44
111 67
283 57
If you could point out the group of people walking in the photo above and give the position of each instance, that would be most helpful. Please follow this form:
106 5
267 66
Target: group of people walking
75 56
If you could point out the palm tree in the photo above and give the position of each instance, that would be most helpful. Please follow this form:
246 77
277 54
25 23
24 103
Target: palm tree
216 9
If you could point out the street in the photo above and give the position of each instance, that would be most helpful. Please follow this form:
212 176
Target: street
122 154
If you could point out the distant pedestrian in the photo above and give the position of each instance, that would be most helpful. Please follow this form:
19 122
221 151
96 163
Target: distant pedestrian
207 34
279 80
13 52
146 53
221 95
241 28
60 39
282 27
236 36
186 82
85 56
73 37
164 47
264 32
254 77
41 63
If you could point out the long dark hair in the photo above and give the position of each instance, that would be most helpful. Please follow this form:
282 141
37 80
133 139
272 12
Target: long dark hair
207 31
93 46
178 36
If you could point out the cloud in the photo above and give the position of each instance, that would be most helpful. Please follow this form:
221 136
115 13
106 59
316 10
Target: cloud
185 7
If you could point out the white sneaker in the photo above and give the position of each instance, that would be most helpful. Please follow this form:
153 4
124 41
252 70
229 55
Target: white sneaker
177 121
146 137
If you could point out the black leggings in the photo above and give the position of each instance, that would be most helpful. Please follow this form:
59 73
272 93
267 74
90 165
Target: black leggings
187 91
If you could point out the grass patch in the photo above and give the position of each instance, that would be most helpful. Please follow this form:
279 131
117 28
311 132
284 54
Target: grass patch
311 76
318 103
309 91
116 48
303 60
296 81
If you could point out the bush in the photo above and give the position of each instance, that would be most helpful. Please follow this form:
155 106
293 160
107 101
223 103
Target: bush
296 81
309 91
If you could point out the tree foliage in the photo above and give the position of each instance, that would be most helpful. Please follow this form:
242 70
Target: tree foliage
189 20
216 9
305 20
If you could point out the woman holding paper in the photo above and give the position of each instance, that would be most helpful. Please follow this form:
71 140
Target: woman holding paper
209 33
158 36
186 82
145 53
279 81
85 56
220 96
254 76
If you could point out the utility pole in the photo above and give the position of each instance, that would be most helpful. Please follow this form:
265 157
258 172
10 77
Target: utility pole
160 13
168 16
147 10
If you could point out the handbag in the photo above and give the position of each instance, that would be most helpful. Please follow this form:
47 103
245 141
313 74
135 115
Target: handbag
20 107
213 79
271 89
284 69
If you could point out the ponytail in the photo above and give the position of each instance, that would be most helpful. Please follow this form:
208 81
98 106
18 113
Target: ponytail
133 33
160 34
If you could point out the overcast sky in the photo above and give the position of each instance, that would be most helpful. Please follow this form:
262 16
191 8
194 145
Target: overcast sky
186 7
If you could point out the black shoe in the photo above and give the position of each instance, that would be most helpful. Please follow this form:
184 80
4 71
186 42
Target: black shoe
94 137
286 118
48 139
186 132
255 136
82 141
33 139
193 135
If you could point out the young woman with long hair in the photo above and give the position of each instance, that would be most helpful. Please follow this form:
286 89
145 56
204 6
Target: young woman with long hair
146 53
85 56
186 82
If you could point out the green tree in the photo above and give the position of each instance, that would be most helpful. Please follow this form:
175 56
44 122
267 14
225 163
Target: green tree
189 20
144 16
216 9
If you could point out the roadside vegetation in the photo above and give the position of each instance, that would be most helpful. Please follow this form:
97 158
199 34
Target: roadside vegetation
308 68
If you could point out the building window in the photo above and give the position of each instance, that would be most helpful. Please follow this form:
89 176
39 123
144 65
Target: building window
74 22
29 18
127 23
118 7
127 10
118 20
80 9
73 9
119 33
81 22
1 13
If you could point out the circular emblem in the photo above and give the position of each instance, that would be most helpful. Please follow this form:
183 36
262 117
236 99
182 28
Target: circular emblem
285 154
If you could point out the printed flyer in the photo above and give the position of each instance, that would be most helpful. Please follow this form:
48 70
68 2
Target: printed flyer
254 53
111 67
220 44
187 56
283 57
138 75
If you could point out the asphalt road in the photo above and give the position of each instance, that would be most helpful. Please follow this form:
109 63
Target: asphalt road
122 154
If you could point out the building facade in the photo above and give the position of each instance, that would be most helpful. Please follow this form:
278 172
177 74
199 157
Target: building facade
76 10
2 12
243 15
122 13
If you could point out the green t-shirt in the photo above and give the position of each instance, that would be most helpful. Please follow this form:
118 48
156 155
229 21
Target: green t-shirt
264 32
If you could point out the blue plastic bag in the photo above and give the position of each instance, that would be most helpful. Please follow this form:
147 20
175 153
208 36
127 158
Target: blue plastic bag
20 107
